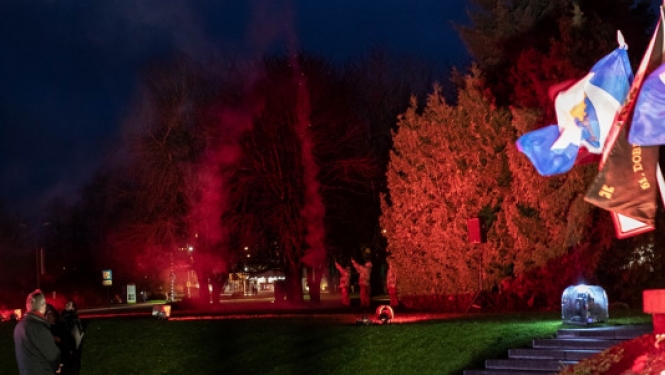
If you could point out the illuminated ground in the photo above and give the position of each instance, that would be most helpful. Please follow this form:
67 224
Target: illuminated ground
264 306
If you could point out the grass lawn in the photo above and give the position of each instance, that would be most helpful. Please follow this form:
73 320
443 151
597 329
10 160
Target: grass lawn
275 346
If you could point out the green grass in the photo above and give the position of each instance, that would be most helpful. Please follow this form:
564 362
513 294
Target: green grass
277 346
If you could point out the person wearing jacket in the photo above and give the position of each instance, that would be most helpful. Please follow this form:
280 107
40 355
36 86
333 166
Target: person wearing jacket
36 351
74 325
63 339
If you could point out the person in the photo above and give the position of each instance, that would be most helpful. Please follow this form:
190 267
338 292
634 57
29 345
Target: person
363 279
36 351
63 338
344 283
74 326
391 284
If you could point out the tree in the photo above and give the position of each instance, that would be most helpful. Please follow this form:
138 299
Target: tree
308 171
443 170
565 37
225 117
380 86
525 49
281 156
453 163
546 224
163 142
633 265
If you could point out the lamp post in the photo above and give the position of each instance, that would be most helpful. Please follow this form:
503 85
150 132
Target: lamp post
172 276
39 254
190 250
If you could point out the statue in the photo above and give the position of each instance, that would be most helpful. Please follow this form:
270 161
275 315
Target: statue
344 283
365 288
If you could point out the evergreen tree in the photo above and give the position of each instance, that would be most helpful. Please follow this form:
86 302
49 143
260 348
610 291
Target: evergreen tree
526 46
448 165
526 49
453 163
545 220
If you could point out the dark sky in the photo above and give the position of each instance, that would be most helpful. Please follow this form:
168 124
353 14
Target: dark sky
68 68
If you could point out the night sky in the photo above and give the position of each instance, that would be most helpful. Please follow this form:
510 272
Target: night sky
68 68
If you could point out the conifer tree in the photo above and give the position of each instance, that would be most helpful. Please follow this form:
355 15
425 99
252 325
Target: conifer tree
544 217
453 163
557 39
447 166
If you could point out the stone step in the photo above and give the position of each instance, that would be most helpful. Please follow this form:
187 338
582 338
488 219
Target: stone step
550 356
611 333
587 344
527 364
559 354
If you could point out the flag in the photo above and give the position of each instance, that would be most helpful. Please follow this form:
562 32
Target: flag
629 173
647 127
626 185
585 112
537 146
588 108
626 227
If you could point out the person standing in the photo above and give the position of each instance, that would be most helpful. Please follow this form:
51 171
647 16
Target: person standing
36 351
363 279
63 338
344 283
74 326
391 284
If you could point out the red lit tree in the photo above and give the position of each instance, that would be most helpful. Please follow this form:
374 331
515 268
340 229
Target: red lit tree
545 219
524 48
448 165
452 163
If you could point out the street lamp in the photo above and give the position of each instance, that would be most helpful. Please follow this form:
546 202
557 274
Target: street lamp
190 249
172 277
39 254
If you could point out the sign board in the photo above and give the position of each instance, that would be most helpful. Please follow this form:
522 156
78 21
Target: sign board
107 278
475 230
131 293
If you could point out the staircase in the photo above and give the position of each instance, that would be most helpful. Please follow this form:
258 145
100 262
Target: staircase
549 356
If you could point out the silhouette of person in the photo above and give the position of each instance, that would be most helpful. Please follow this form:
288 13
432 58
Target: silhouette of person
63 338
75 327
36 351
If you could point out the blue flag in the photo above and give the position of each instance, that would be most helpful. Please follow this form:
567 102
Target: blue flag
585 113
537 146
648 127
